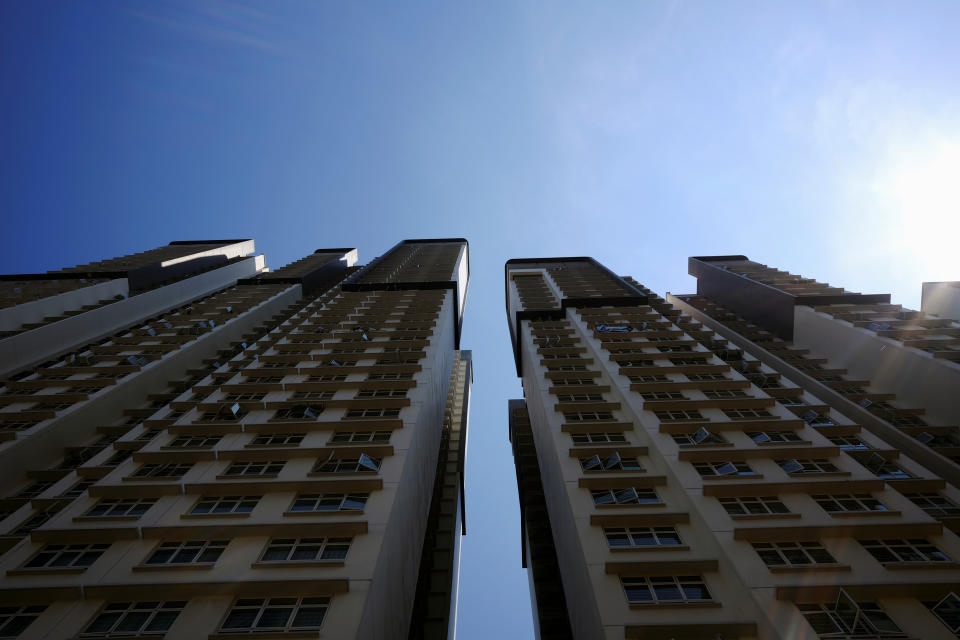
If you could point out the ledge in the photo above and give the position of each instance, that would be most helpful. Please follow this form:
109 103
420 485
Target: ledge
695 631
228 530
339 512
907 566
846 529
45 571
258 635
675 605
796 486
90 519
297 563
771 450
638 519
172 567
766 516
333 485
809 568
863 514
665 567
622 482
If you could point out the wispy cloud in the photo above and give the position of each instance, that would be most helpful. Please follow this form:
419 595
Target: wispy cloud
221 23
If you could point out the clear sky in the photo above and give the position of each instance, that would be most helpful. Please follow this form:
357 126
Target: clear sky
819 137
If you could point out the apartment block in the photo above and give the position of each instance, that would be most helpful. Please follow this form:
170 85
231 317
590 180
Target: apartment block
260 454
676 481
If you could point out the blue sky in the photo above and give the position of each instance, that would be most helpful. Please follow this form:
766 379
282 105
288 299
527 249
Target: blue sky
820 137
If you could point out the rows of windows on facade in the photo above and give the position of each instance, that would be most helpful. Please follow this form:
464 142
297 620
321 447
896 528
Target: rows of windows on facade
195 445
772 457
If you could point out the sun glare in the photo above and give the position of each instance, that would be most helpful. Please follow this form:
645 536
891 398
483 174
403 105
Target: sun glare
923 188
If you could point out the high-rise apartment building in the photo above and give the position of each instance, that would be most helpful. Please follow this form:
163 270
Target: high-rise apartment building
741 463
192 446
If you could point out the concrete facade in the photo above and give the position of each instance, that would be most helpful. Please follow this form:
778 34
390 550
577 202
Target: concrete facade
687 496
260 460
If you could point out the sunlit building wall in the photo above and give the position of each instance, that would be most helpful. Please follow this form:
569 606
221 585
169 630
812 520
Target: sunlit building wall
675 484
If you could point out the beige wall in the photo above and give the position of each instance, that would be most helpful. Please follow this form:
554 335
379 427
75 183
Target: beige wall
918 379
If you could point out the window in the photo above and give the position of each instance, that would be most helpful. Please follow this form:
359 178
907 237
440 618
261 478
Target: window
587 416
125 619
15 620
948 611
77 490
277 440
225 504
750 505
17 425
619 538
275 614
597 438
167 470
815 419
255 468
677 348
150 434
723 469
934 504
573 382
848 619
39 518
390 376
807 466
244 397
845 502
910 550
763 437
299 412
327 378
191 552
373 413
66 555
687 361
625 496
266 379
312 395
881 467
195 442
670 416
363 464
650 378
306 549
226 413
701 436
662 395
567 367
747 414
381 393
580 397
848 443
613 462
788 554
695 377
116 459
361 436
120 507
636 362
717 394
662 589
316 502
35 489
